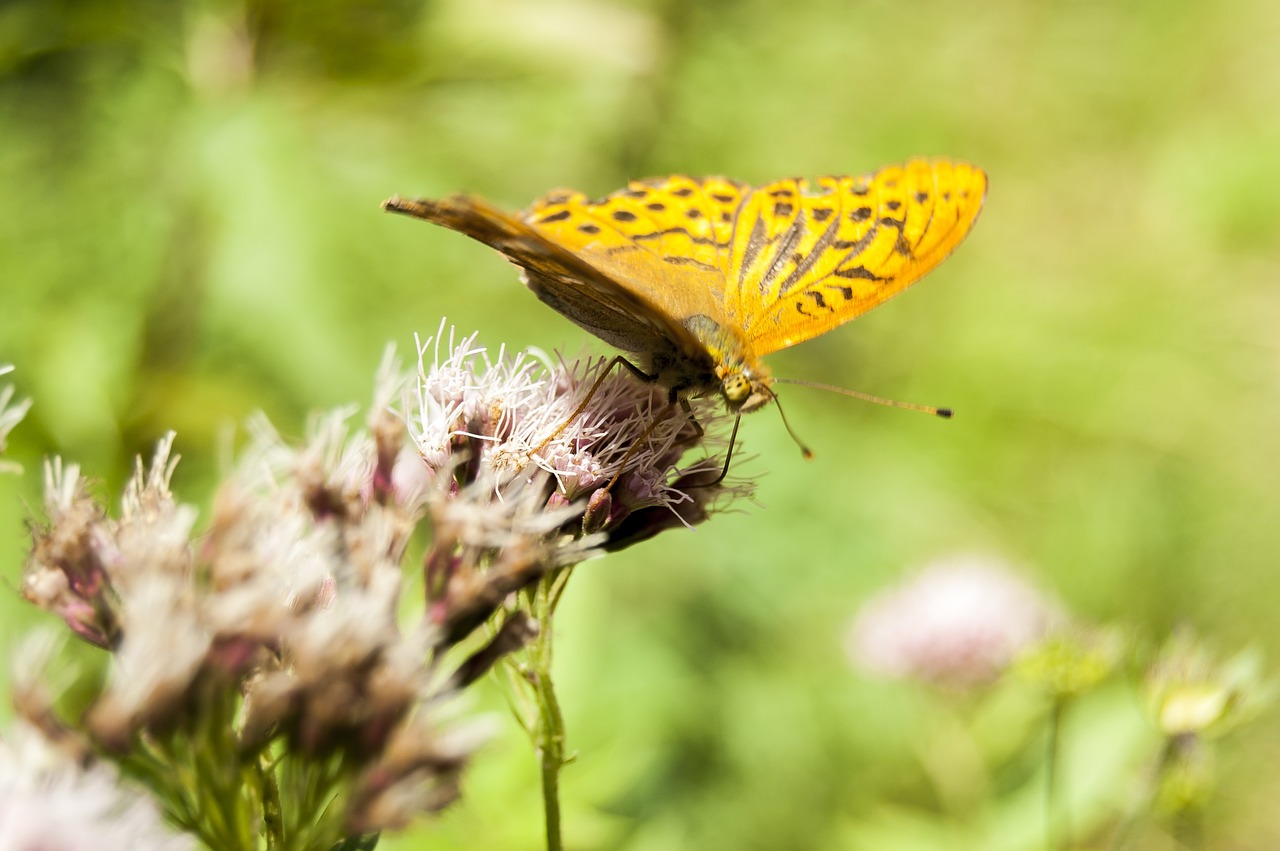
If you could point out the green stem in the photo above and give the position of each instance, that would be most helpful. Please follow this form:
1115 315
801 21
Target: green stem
549 733
272 810
551 753
1055 826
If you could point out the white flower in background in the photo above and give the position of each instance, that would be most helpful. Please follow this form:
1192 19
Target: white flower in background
48 802
10 416
959 621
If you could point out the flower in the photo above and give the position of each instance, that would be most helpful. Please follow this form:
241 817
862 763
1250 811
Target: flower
1191 693
50 802
612 444
278 625
10 416
960 621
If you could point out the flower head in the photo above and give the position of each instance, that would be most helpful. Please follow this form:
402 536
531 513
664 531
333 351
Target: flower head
608 442
1191 692
960 621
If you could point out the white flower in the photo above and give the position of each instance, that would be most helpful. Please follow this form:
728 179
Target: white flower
494 418
959 621
49 803
10 416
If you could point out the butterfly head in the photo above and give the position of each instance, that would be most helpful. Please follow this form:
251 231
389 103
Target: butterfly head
744 388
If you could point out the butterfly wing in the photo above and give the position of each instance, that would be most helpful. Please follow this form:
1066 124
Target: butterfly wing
666 240
584 288
804 259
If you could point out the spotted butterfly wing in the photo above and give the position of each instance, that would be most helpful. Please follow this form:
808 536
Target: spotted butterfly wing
805 259
703 276
589 290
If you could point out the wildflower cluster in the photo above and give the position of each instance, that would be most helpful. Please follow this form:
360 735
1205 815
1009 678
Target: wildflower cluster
261 681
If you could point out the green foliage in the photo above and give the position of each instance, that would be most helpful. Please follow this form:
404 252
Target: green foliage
189 231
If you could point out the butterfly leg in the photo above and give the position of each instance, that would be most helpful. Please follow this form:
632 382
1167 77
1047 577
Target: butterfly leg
688 412
618 360
639 441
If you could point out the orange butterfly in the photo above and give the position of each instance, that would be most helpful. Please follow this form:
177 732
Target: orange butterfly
701 277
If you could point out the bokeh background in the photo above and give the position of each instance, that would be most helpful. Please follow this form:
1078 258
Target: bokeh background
190 232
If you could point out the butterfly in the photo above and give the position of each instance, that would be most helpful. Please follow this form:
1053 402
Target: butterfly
700 278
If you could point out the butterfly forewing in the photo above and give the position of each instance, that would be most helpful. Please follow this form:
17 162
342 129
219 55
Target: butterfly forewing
804 261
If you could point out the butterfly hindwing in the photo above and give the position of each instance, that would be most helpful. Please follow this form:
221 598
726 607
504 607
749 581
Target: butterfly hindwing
583 291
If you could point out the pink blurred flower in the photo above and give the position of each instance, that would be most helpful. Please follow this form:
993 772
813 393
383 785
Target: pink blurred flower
960 621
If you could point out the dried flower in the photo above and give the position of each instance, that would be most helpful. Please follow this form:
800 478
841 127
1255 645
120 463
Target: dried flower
959 622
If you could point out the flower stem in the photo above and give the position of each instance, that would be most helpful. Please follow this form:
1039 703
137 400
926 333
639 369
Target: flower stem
1055 819
549 732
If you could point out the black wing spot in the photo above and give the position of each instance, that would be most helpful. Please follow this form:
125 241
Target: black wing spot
946 196
726 216
821 214
656 206
847 292
554 217
723 198
635 193
817 298
894 205
797 258
678 260
698 240
858 272
781 193
693 213
921 197
682 192
903 247
889 221
624 216
589 228
860 215
783 209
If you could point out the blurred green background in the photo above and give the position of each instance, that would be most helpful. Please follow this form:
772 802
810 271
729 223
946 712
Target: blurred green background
190 231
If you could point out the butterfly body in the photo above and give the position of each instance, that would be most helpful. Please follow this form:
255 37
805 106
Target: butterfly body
699 278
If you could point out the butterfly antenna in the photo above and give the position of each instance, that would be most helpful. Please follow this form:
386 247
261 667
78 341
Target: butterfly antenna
728 456
945 413
804 450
